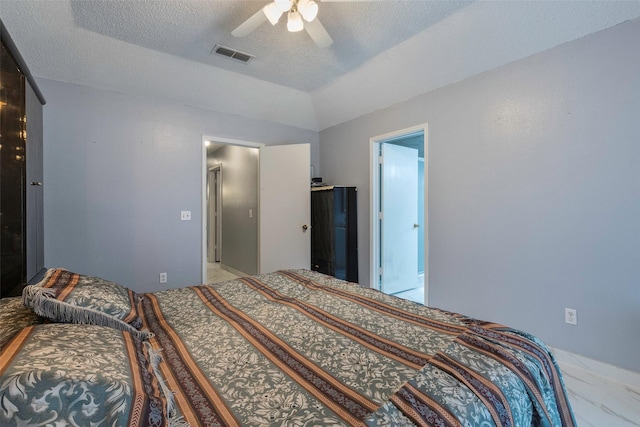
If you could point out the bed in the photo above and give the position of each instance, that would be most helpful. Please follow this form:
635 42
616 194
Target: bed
293 347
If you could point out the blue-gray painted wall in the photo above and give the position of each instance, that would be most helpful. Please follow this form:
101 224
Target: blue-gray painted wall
117 172
533 192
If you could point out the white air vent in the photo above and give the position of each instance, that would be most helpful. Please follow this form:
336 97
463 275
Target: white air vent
232 53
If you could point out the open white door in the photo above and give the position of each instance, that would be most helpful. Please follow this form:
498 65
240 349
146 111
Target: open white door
400 226
285 207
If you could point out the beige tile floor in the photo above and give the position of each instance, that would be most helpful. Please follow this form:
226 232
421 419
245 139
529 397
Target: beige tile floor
601 395
601 402
216 274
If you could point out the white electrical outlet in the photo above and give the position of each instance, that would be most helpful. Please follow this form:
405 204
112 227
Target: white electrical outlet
163 277
571 316
185 215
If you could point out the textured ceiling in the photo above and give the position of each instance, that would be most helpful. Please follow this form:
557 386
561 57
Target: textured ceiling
190 29
384 52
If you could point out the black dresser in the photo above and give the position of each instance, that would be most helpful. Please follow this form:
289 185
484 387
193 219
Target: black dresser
334 232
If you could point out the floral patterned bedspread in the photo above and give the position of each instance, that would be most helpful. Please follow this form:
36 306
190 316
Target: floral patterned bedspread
300 348
78 375
14 316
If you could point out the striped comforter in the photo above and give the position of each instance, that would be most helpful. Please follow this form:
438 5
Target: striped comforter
301 348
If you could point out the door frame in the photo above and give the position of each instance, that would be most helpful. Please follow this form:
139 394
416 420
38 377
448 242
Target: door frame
205 172
374 198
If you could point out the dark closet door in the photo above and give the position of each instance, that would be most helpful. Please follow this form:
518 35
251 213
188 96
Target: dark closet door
12 175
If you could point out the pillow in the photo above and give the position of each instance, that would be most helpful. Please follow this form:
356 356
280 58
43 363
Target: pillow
64 296
69 374
13 317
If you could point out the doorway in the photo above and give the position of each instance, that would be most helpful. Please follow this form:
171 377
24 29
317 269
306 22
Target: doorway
230 225
399 227
215 270
264 209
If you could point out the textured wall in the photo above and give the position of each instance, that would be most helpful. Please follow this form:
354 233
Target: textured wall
534 192
118 171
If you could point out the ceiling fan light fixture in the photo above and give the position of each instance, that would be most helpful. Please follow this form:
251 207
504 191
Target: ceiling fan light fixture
294 22
284 5
298 12
308 9
273 13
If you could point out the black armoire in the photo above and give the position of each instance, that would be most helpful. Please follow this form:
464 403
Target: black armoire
334 232
21 197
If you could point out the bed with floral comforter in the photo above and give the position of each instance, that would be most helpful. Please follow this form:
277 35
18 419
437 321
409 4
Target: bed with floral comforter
288 348
83 374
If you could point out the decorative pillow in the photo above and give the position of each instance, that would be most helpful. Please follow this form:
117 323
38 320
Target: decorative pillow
13 317
64 296
69 374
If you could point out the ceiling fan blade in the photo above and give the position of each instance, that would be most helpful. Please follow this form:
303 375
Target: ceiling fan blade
250 24
318 33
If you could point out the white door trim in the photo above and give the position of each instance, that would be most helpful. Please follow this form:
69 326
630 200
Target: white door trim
205 171
374 208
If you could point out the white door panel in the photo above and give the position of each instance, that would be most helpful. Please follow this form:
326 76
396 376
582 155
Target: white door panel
400 226
285 207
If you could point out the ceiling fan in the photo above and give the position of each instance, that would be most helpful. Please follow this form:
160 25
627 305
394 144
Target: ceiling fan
297 11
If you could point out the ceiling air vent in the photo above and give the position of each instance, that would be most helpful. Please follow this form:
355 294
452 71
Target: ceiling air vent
232 53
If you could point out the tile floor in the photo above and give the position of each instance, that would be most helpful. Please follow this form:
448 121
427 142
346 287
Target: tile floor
597 401
216 274
601 402
601 395
415 294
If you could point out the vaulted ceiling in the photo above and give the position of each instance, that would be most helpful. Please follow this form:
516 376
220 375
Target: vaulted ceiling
383 52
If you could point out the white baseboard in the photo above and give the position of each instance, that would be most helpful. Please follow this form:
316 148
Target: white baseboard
611 372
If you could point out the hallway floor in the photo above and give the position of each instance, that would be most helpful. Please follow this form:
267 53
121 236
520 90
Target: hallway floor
216 274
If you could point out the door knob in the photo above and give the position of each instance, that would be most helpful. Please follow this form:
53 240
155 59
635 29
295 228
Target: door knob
39 184
305 228
416 225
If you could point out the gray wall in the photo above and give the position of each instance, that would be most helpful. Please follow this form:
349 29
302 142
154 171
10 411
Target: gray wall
118 171
534 192
239 194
